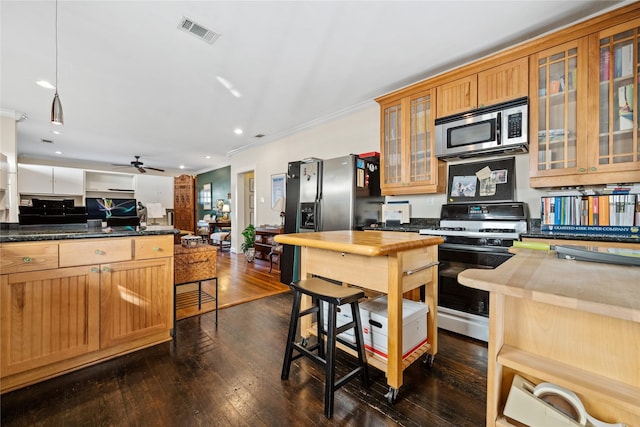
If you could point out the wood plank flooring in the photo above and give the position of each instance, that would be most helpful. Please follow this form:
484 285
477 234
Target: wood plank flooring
230 376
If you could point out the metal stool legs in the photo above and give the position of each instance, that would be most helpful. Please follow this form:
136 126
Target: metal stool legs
326 354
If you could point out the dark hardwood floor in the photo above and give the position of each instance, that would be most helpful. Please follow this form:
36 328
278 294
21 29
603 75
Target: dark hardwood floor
230 376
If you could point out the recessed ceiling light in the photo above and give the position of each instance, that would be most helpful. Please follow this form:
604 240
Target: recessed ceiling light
181 166
45 84
238 131
207 157
56 132
58 152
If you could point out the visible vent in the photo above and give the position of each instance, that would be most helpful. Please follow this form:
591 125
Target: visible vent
48 141
189 26
260 135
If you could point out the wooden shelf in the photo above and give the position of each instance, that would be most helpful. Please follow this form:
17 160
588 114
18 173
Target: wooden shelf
376 361
578 380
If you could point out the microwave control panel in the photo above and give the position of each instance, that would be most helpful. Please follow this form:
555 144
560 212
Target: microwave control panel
514 125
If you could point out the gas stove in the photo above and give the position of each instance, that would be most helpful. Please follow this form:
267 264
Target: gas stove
476 235
493 224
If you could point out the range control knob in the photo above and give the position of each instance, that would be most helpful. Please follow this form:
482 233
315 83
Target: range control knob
497 242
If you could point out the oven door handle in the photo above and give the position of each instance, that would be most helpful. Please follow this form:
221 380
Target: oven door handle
473 248
424 267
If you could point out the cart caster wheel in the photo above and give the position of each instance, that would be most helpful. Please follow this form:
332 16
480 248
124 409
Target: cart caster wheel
428 361
392 395
304 342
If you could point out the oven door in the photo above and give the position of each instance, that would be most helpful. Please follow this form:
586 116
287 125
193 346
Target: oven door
462 309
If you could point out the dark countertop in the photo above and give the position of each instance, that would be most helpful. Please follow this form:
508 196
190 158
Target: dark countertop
587 237
9 233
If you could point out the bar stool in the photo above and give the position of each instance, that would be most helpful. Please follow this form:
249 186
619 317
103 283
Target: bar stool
334 296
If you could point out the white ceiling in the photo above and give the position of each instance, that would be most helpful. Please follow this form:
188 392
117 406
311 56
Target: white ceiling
132 84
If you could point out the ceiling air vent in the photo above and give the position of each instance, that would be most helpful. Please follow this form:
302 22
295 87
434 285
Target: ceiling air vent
47 141
197 30
260 135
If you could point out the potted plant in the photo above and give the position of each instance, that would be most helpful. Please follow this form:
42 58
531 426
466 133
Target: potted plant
247 246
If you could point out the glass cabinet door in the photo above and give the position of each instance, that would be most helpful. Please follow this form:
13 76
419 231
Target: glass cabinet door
557 109
421 132
392 145
618 98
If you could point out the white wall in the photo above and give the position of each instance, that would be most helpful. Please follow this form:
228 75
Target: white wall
355 132
8 147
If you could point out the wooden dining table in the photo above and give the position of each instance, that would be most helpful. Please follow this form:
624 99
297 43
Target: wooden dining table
385 262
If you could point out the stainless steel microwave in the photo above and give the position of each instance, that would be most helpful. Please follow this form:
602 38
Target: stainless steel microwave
500 128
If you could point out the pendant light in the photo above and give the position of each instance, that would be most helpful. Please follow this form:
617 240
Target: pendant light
57 117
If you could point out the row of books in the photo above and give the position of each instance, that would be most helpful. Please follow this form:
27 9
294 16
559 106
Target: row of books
622 63
609 210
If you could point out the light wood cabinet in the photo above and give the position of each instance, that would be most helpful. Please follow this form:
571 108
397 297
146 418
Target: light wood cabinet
407 158
69 303
49 180
498 84
583 129
132 304
48 317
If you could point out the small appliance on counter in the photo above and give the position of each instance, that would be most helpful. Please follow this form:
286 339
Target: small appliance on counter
396 213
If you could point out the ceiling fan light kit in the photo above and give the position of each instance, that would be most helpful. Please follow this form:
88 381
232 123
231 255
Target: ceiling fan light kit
57 117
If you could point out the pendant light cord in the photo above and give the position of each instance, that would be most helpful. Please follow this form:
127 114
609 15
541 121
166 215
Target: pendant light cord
56 46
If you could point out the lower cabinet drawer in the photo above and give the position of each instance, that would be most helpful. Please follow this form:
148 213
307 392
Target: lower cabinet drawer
95 251
153 247
24 257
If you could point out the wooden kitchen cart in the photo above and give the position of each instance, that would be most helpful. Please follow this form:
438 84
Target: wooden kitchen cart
380 261
194 265
572 323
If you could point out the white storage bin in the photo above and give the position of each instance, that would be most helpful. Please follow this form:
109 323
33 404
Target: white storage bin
342 317
375 325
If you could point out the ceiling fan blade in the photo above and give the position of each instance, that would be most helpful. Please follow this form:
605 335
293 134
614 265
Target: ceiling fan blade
155 169
114 164
141 169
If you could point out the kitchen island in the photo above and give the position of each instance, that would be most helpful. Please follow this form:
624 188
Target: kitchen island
381 261
73 298
572 323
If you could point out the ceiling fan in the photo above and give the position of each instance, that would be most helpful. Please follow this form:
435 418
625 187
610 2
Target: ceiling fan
140 166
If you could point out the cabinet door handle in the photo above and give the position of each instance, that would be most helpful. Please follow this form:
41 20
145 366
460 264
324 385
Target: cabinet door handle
106 269
582 170
95 270
99 252
26 259
156 249
593 169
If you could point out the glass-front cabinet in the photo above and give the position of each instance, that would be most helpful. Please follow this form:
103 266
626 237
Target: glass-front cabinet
408 162
584 103
618 90
558 135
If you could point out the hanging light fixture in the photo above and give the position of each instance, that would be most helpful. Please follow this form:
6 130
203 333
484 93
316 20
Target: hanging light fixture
57 117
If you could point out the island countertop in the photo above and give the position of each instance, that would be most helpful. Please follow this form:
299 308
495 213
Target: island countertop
606 289
369 243
12 234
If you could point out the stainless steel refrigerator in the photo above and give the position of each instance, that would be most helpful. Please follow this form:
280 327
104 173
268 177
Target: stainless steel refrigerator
324 195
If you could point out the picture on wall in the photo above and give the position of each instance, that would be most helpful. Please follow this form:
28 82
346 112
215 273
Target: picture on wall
278 182
205 197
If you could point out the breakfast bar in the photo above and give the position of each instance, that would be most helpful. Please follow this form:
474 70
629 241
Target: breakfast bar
572 323
383 262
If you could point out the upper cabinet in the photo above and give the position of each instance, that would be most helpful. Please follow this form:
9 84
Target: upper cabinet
613 120
558 112
48 180
492 86
154 189
584 130
408 163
